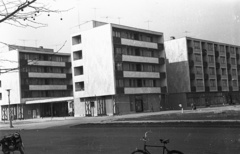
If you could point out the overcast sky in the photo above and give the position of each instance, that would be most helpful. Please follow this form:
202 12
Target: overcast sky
215 20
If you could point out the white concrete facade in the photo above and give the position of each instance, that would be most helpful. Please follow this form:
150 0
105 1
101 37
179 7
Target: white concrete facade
96 78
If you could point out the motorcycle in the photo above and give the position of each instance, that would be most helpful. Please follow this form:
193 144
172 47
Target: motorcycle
12 142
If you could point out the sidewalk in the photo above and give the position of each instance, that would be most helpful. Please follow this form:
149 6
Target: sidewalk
42 123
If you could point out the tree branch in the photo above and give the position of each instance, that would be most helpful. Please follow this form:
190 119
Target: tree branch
22 6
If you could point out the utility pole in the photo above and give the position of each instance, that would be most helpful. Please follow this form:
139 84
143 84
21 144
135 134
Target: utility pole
9 113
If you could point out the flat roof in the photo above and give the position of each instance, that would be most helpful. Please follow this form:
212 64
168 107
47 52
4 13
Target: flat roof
50 100
199 39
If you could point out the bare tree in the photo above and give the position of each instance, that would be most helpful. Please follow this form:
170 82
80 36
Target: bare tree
22 13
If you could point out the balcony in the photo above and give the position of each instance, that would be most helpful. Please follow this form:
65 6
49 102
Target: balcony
47 63
46 75
133 74
137 43
140 59
141 90
47 87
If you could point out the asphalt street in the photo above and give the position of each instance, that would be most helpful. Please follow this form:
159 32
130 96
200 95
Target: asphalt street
118 140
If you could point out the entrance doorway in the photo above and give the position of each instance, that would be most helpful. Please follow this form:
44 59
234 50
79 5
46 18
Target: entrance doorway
138 103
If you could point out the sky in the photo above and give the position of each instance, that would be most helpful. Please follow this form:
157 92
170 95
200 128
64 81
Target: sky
214 20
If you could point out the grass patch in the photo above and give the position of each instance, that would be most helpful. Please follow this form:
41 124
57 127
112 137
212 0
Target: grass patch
220 115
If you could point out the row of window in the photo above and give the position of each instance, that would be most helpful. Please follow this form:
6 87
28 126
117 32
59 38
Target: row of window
198 58
137 83
55 93
212 83
34 81
222 48
137 67
44 69
136 51
134 35
200 83
211 71
44 57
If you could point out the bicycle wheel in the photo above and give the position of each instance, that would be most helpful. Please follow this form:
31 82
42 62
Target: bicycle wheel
174 152
139 152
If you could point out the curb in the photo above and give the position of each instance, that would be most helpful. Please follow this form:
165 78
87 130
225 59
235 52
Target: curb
221 124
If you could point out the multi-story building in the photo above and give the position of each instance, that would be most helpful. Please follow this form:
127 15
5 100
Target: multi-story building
202 72
117 69
39 80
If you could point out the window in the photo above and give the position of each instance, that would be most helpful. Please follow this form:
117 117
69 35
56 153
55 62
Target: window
199 70
212 83
119 83
224 83
224 71
78 70
234 72
0 96
77 55
210 59
0 83
222 60
196 45
210 47
119 66
198 58
79 86
211 71
76 40
221 48
116 34
233 61
199 82
118 51
234 83
232 50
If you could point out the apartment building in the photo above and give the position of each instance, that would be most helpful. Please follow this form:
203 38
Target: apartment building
39 83
202 72
117 69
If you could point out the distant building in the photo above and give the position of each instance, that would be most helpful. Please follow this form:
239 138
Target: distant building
117 69
40 83
202 72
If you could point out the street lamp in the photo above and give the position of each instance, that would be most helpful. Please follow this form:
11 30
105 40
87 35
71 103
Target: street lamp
9 114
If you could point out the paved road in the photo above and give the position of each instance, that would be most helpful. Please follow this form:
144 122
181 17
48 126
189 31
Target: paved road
118 140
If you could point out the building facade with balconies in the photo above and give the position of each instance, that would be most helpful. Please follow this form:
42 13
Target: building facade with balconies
40 83
202 72
118 69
